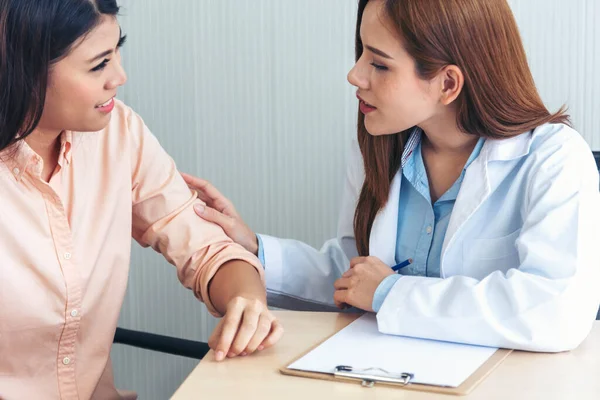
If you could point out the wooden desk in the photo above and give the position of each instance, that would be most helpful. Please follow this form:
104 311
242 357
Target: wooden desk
572 375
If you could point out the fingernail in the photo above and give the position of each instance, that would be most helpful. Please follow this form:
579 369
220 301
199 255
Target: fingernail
230 355
219 356
199 208
261 348
244 354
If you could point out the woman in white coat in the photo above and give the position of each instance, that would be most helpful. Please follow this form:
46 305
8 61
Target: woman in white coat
461 169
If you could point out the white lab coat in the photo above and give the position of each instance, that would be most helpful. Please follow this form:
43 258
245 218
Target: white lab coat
520 264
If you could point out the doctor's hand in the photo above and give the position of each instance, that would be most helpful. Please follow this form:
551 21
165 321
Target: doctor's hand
221 211
357 286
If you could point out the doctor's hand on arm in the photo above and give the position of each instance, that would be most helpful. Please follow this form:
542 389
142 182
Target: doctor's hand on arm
237 292
357 286
221 211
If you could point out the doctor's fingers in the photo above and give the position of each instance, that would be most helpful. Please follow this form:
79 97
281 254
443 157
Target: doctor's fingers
345 283
361 260
210 214
340 298
348 273
210 195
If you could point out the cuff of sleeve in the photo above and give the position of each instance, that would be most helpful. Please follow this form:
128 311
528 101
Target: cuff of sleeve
261 250
392 315
383 290
272 261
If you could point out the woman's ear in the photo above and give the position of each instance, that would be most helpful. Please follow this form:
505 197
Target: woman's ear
452 82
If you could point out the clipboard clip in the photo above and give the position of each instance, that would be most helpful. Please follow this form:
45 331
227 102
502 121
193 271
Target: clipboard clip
368 377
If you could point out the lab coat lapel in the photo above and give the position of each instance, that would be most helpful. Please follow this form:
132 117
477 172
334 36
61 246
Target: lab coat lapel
382 243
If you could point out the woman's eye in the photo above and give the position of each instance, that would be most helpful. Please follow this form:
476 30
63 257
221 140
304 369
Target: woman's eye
379 67
101 66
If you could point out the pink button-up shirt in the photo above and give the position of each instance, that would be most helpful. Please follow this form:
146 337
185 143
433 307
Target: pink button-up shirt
65 249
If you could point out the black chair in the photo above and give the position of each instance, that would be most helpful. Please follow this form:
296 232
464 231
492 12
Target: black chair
163 344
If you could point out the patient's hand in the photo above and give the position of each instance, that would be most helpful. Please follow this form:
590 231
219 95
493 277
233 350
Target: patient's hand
247 326
237 292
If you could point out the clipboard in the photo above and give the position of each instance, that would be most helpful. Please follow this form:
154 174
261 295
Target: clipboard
374 376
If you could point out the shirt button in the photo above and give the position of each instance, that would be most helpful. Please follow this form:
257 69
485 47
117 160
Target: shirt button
74 313
67 256
16 171
66 360
429 229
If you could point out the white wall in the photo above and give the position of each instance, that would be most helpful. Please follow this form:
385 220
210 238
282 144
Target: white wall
252 95
562 40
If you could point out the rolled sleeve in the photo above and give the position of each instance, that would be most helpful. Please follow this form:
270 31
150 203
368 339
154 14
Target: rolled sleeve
163 218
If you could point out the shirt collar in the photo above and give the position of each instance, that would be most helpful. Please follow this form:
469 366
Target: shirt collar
414 140
66 143
19 156
475 152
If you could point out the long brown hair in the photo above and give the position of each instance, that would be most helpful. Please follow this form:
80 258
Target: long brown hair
498 100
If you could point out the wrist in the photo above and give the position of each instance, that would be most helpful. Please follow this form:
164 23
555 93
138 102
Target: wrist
382 291
233 279
252 296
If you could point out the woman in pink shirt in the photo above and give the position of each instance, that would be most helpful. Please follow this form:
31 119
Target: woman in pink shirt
80 174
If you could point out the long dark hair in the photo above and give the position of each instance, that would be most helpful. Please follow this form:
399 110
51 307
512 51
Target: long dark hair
499 98
35 34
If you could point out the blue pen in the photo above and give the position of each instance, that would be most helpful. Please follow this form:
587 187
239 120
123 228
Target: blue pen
403 264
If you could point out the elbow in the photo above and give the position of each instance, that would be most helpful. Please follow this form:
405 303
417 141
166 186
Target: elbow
559 333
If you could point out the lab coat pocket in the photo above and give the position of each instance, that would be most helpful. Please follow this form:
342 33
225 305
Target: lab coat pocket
484 256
